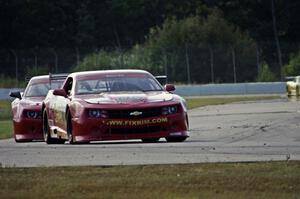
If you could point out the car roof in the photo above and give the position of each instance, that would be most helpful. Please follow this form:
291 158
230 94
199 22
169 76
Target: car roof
39 78
42 79
103 72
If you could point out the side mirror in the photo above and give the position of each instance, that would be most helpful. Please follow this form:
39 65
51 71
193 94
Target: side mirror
169 87
16 94
60 92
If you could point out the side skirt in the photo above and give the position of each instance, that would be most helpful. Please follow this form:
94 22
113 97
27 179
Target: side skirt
58 133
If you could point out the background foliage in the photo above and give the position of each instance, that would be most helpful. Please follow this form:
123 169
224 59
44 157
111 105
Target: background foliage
265 74
157 35
293 67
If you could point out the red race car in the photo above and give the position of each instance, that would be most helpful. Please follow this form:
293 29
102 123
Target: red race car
27 107
114 105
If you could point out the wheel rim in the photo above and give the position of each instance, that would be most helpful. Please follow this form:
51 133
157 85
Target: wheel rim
45 126
69 129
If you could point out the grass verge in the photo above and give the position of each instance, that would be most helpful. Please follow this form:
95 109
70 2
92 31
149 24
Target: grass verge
5 119
205 101
5 110
6 129
219 180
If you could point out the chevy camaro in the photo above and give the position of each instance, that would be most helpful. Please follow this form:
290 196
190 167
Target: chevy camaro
114 105
27 107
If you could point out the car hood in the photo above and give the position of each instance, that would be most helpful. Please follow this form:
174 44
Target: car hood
32 101
129 97
290 82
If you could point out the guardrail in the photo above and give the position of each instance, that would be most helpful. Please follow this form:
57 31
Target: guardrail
231 89
208 89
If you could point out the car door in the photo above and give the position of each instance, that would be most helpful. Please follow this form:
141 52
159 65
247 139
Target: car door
61 104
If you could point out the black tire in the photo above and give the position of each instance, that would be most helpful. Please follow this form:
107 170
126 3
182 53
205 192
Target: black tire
288 91
59 141
46 130
70 131
297 91
176 139
70 128
150 140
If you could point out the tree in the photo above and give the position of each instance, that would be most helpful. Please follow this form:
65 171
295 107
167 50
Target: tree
209 43
293 67
257 18
265 74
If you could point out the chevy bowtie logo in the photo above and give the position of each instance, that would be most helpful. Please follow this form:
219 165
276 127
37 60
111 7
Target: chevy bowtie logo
136 113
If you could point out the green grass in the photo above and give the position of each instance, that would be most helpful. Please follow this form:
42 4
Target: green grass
6 129
5 119
5 110
205 101
219 180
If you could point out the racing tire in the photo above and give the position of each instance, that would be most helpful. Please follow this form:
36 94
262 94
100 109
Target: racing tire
150 140
176 139
59 141
46 130
288 91
70 131
70 128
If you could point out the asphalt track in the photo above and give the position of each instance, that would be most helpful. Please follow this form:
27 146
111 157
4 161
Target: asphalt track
249 131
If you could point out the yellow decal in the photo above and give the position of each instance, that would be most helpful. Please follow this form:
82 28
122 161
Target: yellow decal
136 122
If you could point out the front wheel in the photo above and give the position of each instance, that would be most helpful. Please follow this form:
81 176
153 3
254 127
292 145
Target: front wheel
288 91
175 139
70 131
46 129
70 128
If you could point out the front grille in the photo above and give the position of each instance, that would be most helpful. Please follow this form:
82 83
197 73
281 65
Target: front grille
150 129
125 114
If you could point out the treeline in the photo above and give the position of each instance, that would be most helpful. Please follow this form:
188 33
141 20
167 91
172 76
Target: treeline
194 50
192 41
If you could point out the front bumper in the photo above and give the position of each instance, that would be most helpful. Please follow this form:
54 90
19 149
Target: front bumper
90 129
28 129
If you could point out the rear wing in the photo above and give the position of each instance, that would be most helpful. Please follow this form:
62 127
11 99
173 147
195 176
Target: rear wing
27 79
51 77
163 79
59 76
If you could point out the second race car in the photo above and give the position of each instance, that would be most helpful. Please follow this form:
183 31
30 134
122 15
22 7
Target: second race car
114 105
293 86
27 107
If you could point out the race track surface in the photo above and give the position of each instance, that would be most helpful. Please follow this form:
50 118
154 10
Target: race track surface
248 131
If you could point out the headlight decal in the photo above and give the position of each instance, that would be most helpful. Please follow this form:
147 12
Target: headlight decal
169 110
33 114
97 113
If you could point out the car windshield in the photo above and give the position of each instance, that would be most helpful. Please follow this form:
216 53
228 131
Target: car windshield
117 84
41 89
